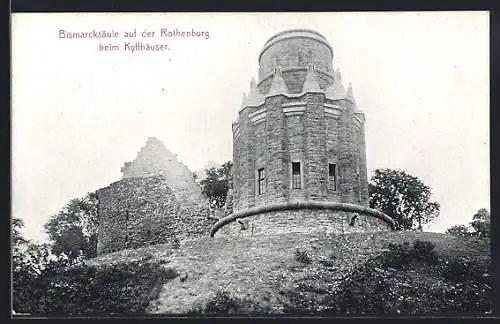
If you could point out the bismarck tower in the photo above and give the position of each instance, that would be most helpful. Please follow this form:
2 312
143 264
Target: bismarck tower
299 145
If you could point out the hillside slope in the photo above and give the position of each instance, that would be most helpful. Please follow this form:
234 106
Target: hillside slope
322 273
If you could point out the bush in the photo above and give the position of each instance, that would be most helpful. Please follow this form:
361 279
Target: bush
424 251
171 273
402 254
92 290
466 269
424 284
224 303
302 256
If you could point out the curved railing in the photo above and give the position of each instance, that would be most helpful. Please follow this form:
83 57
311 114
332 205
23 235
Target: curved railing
315 205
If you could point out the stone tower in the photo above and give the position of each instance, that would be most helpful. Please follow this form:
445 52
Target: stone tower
299 137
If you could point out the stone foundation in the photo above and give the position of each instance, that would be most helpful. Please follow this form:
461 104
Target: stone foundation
304 221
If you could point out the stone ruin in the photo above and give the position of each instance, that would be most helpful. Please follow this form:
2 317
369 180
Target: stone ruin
157 201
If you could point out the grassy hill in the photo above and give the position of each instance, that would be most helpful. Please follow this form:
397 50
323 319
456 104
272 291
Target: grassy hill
375 273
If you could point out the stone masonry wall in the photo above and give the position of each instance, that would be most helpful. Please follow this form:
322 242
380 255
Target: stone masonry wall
295 52
295 135
363 174
332 140
312 138
277 158
304 221
348 180
315 163
134 212
260 131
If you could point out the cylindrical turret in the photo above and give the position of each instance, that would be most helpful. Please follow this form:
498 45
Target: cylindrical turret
293 51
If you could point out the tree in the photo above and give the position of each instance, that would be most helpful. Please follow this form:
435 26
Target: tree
403 197
481 223
30 262
17 237
217 183
458 230
73 230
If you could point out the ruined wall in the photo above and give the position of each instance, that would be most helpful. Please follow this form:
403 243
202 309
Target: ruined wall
156 201
134 212
155 159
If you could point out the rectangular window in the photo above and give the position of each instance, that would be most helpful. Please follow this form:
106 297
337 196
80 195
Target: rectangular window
332 181
296 181
301 56
261 176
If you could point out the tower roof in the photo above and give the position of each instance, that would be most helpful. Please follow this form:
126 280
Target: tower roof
255 98
336 91
278 85
311 82
349 95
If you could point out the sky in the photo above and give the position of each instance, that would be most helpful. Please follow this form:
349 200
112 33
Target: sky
78 113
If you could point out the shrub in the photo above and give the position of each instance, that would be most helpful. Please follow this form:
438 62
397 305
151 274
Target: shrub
402 254
92 290
466 269
424 251
171 273
398 255
302 256
223 303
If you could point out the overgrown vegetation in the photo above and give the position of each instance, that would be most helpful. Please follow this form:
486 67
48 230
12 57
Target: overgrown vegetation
54 284
124 288
226 304
405 280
